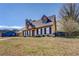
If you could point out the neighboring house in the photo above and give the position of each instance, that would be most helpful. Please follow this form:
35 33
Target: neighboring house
44 26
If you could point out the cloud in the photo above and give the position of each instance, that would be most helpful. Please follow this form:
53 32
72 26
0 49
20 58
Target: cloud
11 27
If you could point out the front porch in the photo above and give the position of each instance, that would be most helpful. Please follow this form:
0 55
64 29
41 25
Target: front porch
43 31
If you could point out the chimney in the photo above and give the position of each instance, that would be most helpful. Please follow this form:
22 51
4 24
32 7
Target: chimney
54 24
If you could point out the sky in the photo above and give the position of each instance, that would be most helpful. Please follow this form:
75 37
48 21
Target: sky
13 15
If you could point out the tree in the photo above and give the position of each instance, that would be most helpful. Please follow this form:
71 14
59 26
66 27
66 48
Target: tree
70 18
69 26
70 11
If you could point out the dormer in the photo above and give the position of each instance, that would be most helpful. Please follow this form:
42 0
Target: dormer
45 19
29 24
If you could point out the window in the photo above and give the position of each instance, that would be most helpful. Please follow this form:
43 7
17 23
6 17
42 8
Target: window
50 30
44 30
33 32
41 30
37 31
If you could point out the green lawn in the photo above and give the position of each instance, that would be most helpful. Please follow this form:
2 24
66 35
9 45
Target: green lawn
45 46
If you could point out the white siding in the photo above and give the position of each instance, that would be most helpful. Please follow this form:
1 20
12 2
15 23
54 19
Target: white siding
35 32
42 31
52 32
30 32
24 33
47 30
39 31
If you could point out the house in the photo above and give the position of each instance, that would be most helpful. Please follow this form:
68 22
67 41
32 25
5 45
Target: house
43 27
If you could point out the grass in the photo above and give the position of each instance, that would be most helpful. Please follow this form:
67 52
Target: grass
39 46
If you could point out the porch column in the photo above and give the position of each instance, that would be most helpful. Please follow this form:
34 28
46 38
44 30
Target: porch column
35 32
42 31
24 33
39 31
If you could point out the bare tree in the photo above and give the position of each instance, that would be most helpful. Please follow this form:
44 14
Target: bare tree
70 11
70 18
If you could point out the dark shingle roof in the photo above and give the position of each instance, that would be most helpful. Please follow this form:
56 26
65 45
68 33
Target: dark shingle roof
38 23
